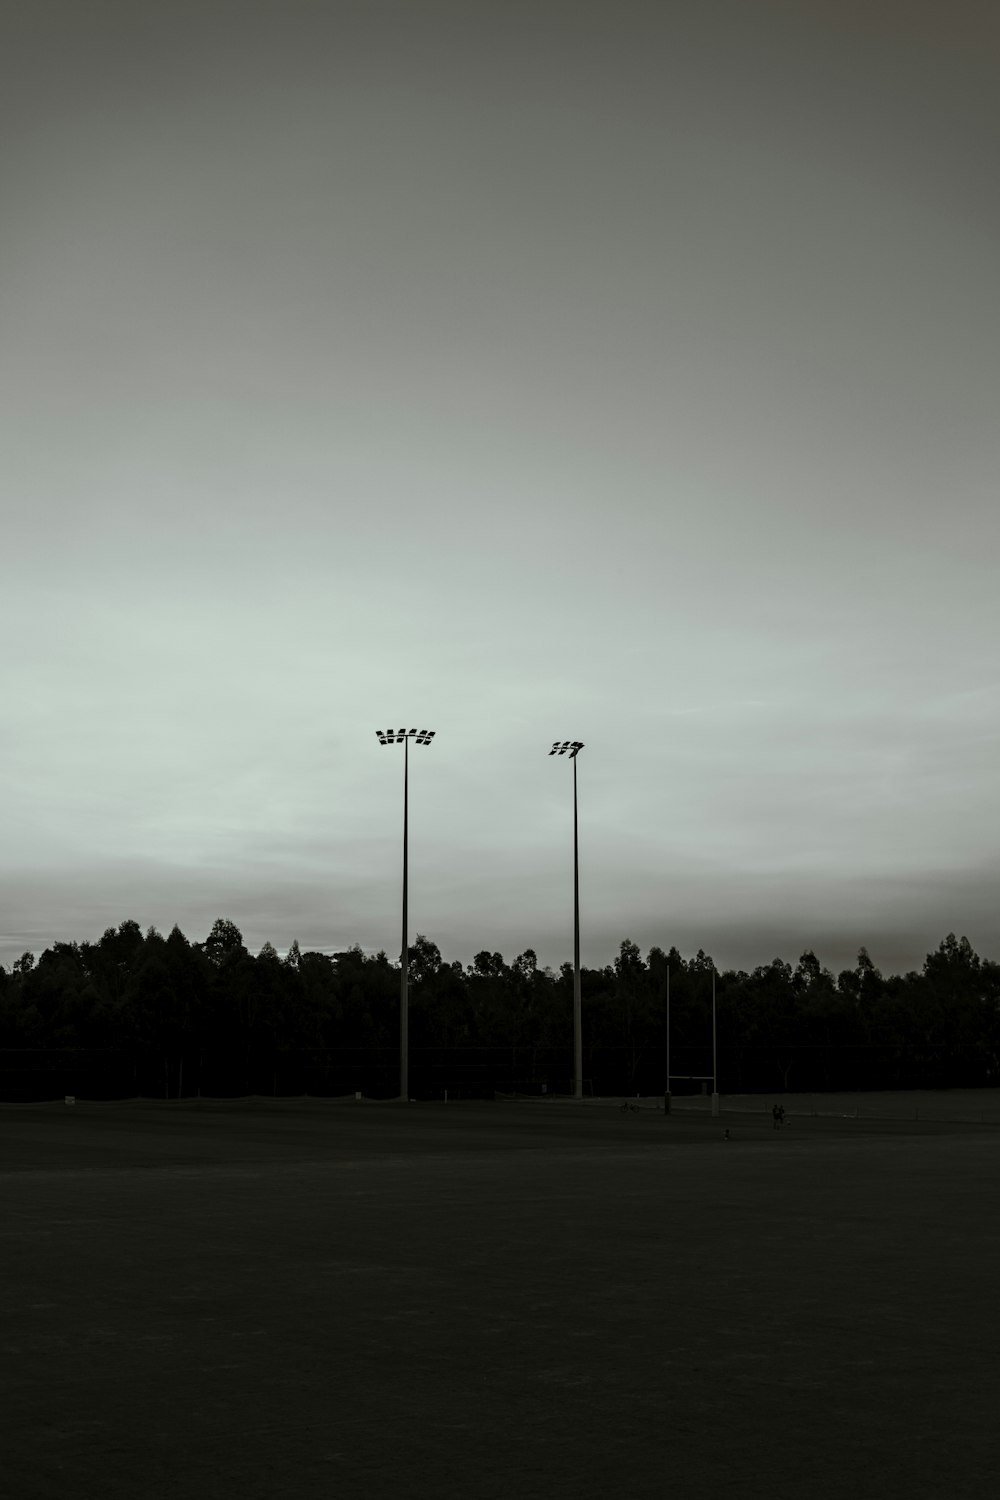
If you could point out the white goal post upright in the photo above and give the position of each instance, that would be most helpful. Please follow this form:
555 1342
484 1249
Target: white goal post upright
715 1071
666 1097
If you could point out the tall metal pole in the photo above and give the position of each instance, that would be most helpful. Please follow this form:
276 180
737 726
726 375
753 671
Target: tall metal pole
393 737
573 747
577 1005
404 972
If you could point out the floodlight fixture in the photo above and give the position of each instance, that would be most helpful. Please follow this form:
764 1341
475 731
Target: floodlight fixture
572 748
396 737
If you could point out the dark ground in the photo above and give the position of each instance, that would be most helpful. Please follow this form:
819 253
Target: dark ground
297 1298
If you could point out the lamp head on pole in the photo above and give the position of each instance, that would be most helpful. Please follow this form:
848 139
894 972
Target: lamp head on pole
566 747
397 736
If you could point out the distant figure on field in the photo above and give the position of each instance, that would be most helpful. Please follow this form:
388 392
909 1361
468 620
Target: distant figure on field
778 1115
725 1134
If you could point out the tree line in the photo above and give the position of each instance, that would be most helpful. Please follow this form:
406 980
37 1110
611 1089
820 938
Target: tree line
155 1000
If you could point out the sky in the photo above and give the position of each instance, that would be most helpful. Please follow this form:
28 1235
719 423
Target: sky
619 372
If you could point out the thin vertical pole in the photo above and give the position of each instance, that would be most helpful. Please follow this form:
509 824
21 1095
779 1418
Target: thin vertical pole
715 1075
666 1097
577 1005
715 1088
404 1039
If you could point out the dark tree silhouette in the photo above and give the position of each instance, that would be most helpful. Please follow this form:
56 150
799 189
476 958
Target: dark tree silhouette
176 1010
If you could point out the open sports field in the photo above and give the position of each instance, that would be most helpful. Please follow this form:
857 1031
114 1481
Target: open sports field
298 1298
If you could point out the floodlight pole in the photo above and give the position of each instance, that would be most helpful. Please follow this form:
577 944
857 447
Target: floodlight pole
573 748
577 1002
392 737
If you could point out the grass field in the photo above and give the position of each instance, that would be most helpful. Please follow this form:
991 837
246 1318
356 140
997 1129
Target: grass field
297 1298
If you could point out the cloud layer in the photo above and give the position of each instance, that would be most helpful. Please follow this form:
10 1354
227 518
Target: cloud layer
628 375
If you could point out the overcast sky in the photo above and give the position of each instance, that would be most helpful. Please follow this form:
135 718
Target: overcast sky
524 371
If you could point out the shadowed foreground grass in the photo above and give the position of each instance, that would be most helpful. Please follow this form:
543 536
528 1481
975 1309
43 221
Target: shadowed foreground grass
298 1299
